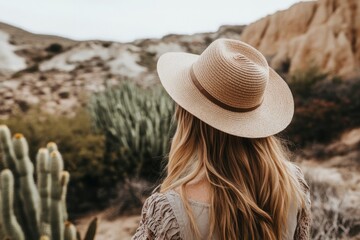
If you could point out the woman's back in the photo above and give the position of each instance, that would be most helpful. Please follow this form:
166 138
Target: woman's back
229 106
164 215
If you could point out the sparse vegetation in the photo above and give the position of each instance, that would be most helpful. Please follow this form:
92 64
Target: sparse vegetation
324 107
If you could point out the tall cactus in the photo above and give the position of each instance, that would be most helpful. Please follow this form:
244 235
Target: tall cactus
56 209
11 226
6 146
65 178
28 192
70 231
43 182
43 207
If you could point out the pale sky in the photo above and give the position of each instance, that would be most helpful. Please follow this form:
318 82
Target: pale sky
127 20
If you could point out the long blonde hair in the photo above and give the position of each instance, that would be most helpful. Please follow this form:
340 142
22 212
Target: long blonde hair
251 186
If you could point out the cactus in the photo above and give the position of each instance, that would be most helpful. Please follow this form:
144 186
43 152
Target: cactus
43 173
42 207
7 148
51 146
11 226
56 210
28 192
65 178
136 123
6 145
70 231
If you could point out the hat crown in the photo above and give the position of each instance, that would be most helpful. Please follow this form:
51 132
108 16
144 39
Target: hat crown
233 72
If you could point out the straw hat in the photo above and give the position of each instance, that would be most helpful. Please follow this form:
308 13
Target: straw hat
230 86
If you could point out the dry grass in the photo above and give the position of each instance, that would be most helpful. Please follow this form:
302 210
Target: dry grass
332 218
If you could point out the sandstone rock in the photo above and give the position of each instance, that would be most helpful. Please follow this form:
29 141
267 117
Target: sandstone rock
68 104
160 48
44 91
8 95
10 84
67 61
9 61
324 33
352 137
126 64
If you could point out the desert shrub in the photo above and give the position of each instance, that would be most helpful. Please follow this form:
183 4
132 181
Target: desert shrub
82 150
136 123
324 106
54 48
330 220
302 82
129 199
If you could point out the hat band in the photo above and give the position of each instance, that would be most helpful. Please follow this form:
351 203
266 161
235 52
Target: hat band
216 101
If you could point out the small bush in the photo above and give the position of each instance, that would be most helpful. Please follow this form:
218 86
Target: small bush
54 48
302 82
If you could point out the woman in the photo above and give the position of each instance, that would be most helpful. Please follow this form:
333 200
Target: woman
228 177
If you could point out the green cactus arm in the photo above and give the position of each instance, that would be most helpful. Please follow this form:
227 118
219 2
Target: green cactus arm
7 149
43 184
28 192
56 209
2 233
70 231
65 178
51 146
11 226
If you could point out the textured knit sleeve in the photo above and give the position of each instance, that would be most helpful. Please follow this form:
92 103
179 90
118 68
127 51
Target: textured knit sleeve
302 231
157 220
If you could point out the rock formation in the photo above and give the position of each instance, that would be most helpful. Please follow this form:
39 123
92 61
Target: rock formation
324 33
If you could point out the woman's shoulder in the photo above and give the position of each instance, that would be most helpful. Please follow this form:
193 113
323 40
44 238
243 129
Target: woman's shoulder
158 220
159 201
158 206
299 175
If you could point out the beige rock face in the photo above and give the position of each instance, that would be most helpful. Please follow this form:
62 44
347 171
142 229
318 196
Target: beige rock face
325 33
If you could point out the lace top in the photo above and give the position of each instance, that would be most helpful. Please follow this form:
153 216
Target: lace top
163 217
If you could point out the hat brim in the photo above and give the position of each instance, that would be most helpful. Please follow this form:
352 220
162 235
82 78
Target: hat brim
272 116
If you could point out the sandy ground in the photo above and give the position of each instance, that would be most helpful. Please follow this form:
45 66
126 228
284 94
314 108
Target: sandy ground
119 229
